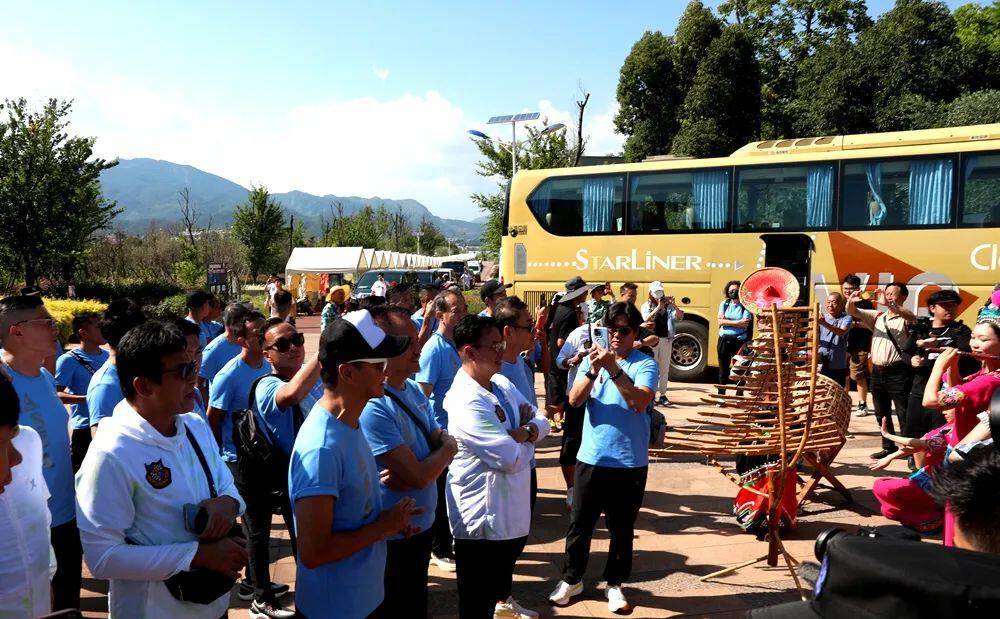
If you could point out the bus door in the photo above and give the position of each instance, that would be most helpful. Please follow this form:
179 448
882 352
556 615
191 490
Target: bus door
792 252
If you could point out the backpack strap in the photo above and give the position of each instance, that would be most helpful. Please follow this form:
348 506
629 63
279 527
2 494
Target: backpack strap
83 361
201 458
297 416
413 416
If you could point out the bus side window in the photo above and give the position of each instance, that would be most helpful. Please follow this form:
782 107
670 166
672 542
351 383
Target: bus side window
897 193
679 201
580 205
794 197
981 196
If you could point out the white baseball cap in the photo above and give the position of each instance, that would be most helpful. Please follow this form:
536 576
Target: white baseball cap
656 289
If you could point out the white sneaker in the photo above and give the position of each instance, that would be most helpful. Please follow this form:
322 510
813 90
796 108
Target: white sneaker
445 564
617 602
569 499
512 610
564 592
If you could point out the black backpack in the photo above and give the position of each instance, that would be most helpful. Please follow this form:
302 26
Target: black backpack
258 458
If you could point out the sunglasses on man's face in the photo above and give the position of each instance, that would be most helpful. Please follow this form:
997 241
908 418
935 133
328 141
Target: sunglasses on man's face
183 371
621 331
284 344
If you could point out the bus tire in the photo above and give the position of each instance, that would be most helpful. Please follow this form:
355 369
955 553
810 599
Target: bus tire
689 353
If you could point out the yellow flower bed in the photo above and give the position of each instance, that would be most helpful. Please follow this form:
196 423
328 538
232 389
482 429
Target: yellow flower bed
63 311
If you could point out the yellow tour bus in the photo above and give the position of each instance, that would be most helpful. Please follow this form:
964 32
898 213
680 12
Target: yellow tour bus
920 207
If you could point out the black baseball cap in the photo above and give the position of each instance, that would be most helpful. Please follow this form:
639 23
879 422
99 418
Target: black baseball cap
355 337
492 287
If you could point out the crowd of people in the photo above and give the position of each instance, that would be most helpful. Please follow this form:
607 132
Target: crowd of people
407 439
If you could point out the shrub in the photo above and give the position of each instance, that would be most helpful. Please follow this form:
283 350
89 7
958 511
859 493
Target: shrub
64 310
174 306
142 292
473 301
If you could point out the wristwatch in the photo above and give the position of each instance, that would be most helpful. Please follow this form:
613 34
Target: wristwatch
617 375
590 374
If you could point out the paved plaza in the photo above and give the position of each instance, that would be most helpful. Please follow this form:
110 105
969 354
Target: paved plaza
685 530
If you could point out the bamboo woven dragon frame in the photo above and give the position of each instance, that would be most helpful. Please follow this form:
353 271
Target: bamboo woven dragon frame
779 407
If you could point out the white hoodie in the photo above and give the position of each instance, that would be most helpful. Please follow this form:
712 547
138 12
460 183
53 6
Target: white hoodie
133 485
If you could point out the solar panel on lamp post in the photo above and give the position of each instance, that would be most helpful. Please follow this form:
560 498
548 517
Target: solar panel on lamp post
513 119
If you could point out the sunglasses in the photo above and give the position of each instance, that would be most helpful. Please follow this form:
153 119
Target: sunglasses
284 344
183 371
498 347
620 330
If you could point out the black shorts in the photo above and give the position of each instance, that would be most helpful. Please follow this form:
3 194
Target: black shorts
555 380
572 434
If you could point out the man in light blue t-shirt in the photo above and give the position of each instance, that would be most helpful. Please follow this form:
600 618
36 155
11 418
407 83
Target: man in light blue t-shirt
333 480
230 389
407 442
616 386
224 347
105 392
439 363
74 370
27 333
198 310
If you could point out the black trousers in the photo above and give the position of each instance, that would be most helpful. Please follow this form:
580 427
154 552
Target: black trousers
79 443
920 420
572 436
442 546
617 493
406 577
890 387
69 566
257 527
727 347
485 573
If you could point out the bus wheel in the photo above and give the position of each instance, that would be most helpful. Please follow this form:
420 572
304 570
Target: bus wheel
689 354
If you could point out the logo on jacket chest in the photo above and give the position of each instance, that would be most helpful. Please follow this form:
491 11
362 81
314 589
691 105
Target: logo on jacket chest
158 475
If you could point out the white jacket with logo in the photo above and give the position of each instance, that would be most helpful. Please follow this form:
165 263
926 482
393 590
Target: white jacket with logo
489 480
132 486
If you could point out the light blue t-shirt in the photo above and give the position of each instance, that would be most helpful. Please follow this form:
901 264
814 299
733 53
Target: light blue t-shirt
615 435
211 329
279 423
218 353
733 310
485 312
439 362
230 392
104 393
523 378
203 338
833 348
42 410
418 319
387 426
331 458
75 377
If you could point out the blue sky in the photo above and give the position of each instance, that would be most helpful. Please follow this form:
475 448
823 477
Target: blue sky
327 97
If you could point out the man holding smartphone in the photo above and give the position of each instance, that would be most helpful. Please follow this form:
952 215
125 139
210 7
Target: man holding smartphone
150 459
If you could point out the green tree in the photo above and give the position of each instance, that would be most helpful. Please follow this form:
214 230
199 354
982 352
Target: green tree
832 92
786 32
975 108
538 151
721 112
50 193
978 29
430 237
649 96
259 225
912 52
696 30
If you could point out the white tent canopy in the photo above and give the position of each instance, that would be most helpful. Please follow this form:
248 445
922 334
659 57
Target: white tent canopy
326 260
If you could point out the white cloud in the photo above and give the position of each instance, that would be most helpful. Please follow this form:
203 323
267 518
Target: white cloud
414 146
380 72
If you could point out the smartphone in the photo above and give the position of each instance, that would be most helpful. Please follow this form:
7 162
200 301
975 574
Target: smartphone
195 518
602 337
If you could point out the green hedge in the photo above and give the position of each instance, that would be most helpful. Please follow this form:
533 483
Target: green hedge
174 306
142 292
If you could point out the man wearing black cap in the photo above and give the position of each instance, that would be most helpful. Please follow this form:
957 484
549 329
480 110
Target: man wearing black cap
928 337
491 292
334 482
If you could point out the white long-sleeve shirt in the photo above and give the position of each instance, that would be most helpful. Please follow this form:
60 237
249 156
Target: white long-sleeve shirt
577 340
26 559
131 490
489 480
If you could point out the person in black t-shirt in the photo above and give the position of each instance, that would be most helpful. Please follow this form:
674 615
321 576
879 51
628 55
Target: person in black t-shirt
929 335
564 320
859 343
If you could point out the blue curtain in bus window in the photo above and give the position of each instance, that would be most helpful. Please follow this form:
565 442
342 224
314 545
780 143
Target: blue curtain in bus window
598 203
710 191
877 214
930 191
819 196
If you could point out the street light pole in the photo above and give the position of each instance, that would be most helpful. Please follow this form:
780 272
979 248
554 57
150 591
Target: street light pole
514 144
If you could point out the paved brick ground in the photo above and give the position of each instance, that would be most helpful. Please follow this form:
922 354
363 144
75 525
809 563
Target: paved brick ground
685 530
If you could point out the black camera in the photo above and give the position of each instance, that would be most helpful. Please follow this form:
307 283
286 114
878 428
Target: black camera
890 530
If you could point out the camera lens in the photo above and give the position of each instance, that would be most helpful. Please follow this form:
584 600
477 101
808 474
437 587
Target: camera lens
819 548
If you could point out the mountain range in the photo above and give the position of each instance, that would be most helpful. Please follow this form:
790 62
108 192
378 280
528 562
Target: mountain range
147 191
